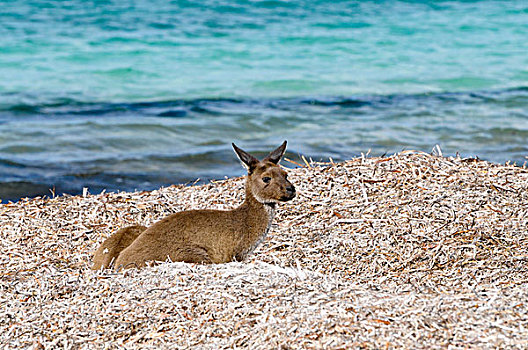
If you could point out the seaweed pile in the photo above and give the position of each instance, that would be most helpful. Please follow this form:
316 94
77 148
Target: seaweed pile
407 251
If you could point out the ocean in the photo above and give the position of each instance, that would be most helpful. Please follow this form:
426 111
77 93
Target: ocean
134 95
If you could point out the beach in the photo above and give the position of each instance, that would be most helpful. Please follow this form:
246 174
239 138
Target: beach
411 250
407 129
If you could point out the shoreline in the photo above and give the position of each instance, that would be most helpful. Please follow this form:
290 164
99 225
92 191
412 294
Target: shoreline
127 146
408 250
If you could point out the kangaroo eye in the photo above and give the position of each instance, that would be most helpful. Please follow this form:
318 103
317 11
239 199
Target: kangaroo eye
266 179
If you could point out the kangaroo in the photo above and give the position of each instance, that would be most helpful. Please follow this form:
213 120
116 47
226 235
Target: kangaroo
206 236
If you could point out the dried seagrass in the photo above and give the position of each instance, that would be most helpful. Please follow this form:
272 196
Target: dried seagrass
407 251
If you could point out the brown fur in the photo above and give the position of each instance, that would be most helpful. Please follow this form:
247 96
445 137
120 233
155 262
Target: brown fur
206 236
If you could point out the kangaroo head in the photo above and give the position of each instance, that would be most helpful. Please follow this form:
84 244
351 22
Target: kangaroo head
267 182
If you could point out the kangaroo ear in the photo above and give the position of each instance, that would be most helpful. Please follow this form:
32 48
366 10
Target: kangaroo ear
248 161
276 155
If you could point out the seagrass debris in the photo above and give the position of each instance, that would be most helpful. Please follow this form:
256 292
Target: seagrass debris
407 251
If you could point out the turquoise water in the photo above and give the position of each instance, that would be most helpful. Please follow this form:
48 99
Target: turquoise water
124 95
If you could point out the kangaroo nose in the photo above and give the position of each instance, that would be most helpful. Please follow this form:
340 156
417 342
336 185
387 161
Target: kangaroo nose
290 189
